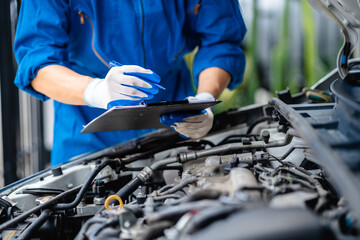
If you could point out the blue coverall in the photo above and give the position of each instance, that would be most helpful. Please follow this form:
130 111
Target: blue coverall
84 35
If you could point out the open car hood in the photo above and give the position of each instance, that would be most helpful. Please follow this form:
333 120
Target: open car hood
346 13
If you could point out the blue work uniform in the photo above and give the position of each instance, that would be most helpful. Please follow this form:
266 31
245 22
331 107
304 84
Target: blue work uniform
84 35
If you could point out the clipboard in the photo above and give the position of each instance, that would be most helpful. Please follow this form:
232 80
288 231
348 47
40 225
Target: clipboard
143 116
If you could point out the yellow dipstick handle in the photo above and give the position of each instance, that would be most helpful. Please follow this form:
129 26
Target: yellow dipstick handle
113 197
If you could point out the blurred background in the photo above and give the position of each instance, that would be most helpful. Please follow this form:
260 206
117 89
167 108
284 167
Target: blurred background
288 44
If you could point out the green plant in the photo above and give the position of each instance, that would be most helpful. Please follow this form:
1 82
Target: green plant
314 67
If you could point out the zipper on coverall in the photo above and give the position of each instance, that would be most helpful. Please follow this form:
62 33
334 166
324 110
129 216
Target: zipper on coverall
142 30
82 21
196 12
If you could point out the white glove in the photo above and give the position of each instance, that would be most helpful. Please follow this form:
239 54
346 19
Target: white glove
125 85
190 125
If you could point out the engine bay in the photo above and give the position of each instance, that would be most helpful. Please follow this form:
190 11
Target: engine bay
264 172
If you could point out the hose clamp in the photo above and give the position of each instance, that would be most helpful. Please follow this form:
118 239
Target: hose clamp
145 174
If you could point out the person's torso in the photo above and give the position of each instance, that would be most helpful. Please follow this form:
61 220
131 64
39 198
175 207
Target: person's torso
148 33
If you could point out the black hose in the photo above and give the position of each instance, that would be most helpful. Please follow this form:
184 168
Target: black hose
257 121
129 188
159 164
143 176
125 191
62 206
151 152
180 186
4 203
29 231
36 209
201 195
237 138
7 209
288 152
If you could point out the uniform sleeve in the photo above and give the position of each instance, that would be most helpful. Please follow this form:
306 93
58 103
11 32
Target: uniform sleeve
41 39
220 30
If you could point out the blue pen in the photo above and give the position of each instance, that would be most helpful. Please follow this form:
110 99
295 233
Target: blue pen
141 75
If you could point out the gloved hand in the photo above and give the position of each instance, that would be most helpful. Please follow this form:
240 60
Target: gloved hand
125 85
190 125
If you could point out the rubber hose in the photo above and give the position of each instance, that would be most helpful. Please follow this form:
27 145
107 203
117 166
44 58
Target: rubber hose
29 231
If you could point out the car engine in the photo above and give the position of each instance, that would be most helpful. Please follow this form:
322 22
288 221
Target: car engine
273 171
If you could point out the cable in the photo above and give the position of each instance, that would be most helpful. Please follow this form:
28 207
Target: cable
346 48
288 164
62 206
288 152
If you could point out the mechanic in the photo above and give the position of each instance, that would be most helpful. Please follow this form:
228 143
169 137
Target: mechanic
64 47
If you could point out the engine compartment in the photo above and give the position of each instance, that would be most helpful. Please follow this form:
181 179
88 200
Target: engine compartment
258 175
283 170
245 187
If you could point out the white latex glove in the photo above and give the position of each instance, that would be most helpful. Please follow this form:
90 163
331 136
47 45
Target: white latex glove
125 85
190 125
